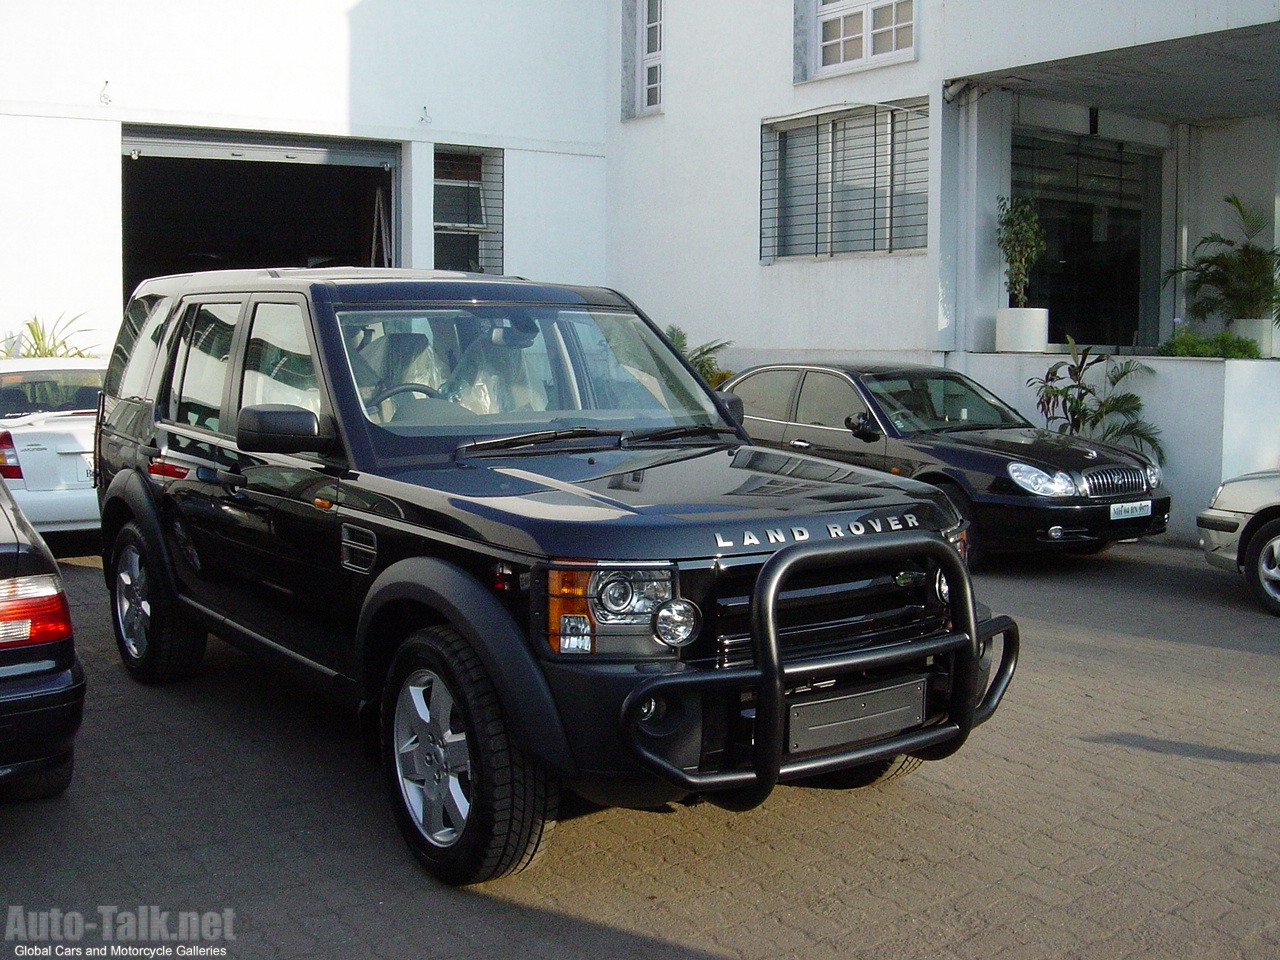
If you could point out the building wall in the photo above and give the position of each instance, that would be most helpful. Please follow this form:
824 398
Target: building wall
684 195
530 81
684 185
984 35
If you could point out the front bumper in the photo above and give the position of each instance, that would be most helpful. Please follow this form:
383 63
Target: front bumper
1022 523
1220 537
39 717
967 699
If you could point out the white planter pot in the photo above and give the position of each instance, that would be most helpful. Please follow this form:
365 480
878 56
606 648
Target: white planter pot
1022 330
1261 332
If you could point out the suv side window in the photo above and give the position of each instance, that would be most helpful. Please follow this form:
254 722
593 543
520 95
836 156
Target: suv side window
279 366
136 347
826 399
200 372
767 395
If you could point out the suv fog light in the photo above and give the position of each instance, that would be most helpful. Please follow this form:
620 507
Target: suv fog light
648 710
941 587
575 634
676 622
1055 533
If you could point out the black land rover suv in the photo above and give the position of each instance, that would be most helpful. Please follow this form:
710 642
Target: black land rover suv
513 527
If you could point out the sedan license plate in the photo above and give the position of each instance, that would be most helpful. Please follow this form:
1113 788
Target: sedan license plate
831 718
1123 511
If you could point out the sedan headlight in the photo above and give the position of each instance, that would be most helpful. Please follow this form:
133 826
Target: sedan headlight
1154 475
617 611
1034 480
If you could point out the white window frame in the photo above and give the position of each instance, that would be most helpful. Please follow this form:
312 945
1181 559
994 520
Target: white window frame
646 59
838 10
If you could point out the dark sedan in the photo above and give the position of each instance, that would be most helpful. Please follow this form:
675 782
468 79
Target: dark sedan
41 680
1022 488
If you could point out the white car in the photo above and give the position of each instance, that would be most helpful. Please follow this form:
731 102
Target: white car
1241 531
48 407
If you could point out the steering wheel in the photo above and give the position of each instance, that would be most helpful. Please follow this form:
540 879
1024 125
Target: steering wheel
399 388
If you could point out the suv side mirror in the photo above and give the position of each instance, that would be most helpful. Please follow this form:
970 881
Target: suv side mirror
863 427
283 428
734 403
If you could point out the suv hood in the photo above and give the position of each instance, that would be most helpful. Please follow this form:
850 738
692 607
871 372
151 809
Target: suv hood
659 503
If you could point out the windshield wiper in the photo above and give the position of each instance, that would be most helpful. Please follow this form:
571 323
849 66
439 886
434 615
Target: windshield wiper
672 433
956 427
538 438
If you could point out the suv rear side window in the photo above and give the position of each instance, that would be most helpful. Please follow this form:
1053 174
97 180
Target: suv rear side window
204 354
136 347
279 367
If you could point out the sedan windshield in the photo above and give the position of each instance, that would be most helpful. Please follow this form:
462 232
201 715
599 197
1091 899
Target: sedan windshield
928 401
484 372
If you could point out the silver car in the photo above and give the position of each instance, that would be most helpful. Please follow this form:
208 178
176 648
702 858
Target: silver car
1241 531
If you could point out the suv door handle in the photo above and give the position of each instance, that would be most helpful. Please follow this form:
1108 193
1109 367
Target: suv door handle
800 444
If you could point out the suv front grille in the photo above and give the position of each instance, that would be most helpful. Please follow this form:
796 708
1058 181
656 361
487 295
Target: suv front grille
820 612
1104 482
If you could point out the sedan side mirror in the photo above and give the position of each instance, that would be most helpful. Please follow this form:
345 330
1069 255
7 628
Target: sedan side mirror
863 427
734 403
283 428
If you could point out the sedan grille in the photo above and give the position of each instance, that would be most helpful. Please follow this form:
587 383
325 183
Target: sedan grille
1105 482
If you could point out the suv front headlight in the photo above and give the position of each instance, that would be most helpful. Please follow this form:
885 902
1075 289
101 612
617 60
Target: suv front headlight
1034 480
617 611
1155 476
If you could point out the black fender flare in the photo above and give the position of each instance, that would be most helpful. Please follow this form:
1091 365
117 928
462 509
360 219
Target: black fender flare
129 487
496 638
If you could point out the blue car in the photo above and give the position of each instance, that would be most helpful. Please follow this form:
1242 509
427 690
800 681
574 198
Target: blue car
41 680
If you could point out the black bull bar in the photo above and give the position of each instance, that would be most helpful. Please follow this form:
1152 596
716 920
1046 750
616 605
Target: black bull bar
769 677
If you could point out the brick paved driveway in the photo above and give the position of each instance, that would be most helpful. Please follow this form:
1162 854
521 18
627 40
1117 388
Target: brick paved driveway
1123 803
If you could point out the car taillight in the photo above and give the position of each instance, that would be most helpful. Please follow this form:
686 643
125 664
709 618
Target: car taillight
33 610
10 469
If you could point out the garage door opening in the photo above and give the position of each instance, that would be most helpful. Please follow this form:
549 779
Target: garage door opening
203 212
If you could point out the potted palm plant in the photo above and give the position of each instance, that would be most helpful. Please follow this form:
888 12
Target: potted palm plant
1236 279
1020 236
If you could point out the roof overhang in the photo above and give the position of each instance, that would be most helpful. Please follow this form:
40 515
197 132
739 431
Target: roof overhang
1208 78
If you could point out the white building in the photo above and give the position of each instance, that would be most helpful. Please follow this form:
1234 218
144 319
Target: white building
804 178
821 176
148 136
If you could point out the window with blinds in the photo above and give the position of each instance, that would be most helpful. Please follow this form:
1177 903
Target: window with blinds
849 182
468 210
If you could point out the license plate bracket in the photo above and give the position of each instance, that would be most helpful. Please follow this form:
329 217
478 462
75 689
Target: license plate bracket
822 719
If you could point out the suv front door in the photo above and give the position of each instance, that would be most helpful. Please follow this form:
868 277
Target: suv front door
286 587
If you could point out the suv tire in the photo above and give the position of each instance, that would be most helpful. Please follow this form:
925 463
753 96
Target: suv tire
156 643
1262 566
470 803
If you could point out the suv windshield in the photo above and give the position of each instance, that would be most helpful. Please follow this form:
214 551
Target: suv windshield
487 371
928 402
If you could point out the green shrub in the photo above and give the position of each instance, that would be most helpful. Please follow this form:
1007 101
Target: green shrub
1188 343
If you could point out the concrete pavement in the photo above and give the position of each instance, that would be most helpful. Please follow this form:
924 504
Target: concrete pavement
1123 803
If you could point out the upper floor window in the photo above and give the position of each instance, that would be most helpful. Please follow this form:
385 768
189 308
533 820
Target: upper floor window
851 34
642 43
848 182
651 56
